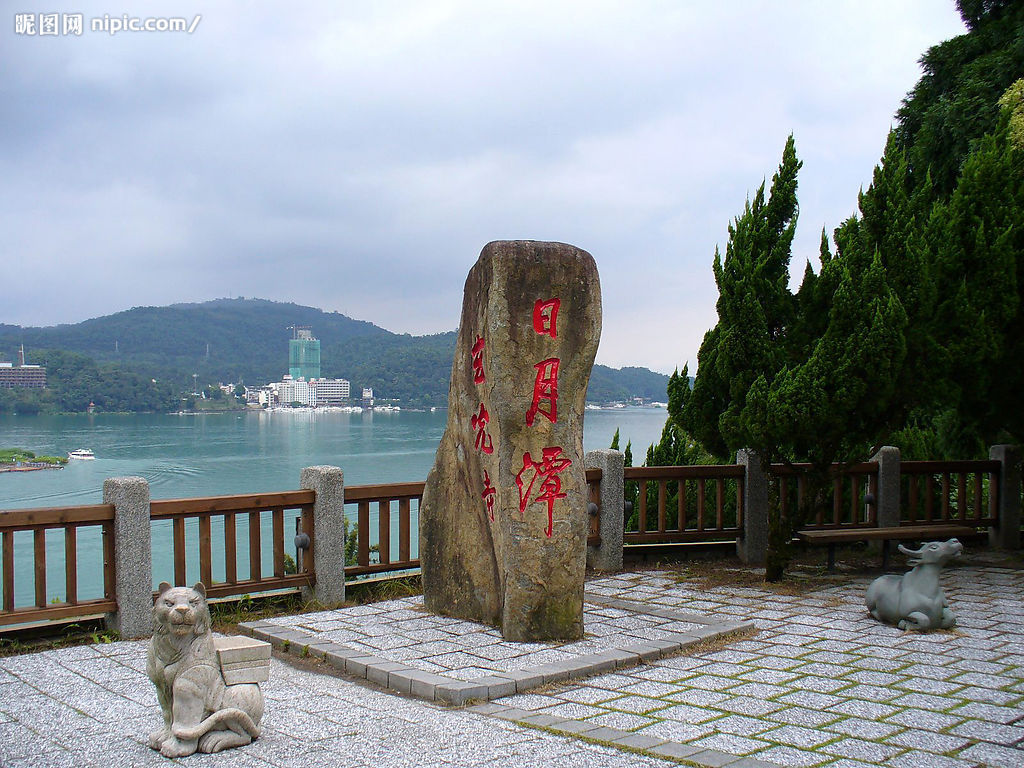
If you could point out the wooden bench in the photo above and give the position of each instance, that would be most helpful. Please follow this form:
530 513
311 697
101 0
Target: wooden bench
885 535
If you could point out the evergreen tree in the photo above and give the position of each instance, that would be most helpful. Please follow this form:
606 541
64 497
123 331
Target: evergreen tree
816 387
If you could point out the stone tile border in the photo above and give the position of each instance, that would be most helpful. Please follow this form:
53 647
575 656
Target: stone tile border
404 678
633 742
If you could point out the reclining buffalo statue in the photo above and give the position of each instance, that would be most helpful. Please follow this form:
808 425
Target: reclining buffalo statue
915 600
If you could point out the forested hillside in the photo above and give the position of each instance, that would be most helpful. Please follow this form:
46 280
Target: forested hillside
113 361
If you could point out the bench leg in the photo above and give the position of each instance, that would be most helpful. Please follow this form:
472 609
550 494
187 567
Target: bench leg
831 558
885 554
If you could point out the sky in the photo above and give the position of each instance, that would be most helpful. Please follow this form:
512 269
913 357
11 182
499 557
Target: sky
356 156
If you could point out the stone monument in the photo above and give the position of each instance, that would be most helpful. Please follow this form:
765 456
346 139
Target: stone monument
915 600
503 519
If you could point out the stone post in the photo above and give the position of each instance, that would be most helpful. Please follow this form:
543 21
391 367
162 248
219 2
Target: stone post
328 532
887 500
752 544
1006 535
133 559
608 556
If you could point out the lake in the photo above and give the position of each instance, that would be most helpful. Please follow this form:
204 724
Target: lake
230 453
250 452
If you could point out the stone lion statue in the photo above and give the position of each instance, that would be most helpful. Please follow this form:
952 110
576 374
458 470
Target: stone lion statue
201 712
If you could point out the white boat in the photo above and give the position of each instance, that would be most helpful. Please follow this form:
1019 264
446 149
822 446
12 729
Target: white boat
81 453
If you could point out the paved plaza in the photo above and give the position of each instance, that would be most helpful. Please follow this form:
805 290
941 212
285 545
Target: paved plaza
815 683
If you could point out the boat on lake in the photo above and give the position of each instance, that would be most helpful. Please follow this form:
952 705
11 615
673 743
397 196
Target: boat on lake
81 453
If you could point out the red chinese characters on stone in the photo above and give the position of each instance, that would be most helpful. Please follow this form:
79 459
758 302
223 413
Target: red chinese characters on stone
545 316
478 361
483 441
488 495
545 479
545 390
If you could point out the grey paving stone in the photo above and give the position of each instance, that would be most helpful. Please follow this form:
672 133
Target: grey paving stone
678 731
995 714
698 697
741 725
811 718
639 741
745 705
993 755
639 705
673 750
863 729
1006 735
928 741
919 718
867 709
862 750
790 756
913 760
624 721
798 736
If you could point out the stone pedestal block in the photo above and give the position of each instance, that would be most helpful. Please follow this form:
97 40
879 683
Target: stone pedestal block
608 555
503 522
1006 535
328 533
888 499
752 545
133 560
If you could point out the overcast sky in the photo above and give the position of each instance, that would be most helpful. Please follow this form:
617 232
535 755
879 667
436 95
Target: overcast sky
356 156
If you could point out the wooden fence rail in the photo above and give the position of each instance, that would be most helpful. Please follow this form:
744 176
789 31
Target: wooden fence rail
684 504
254 511
68 520
376 550
950 492
854 495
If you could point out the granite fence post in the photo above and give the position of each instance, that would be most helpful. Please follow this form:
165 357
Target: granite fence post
752 544
887 500
1006 535
133 558
608 555
328 532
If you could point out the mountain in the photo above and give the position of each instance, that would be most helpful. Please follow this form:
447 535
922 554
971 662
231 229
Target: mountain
246 340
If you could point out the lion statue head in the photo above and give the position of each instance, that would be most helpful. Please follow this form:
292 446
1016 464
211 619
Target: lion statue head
181 611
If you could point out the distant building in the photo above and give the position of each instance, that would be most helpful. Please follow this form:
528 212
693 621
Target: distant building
318 393
330 391
18 374
294 391
303 355
367 397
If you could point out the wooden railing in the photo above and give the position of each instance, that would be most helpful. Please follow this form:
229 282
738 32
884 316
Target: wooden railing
949 492
241 571
853 487
98 521
377 551
684 504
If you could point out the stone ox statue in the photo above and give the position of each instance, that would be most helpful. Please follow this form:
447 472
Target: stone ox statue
208 688
915 600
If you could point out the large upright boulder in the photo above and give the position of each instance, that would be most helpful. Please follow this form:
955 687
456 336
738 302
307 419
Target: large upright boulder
503 518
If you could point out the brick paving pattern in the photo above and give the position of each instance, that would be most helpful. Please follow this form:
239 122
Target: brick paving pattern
820 684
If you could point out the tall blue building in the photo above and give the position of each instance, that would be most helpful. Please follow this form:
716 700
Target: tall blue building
303 355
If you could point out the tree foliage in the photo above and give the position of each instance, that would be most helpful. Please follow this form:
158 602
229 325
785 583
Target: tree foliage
911 330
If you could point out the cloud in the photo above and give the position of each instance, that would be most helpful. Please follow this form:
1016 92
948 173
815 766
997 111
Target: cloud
357 156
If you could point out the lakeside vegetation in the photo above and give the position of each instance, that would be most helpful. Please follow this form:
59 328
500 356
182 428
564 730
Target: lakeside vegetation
20 455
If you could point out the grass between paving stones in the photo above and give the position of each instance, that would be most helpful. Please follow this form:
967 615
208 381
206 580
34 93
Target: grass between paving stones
881 741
